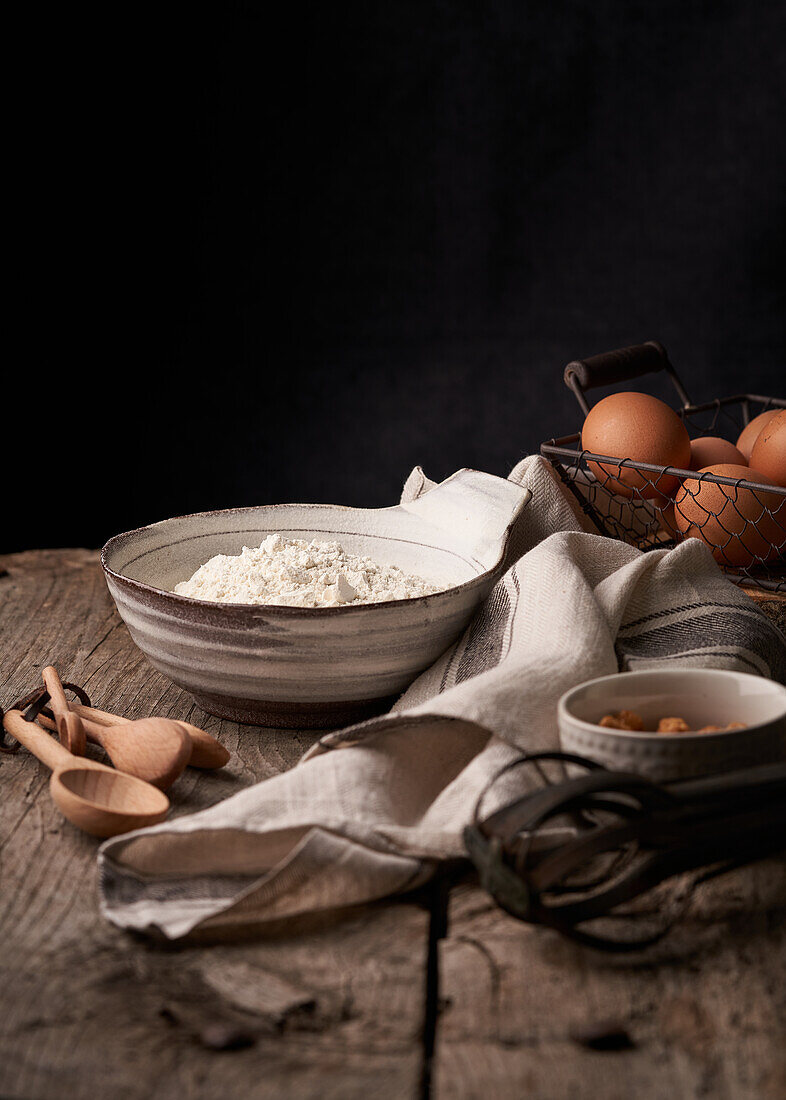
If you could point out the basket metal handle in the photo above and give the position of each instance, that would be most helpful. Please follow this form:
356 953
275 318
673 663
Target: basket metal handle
621 365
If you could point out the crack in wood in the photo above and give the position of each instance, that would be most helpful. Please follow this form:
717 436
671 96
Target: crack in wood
76 1022
406 1000
437 895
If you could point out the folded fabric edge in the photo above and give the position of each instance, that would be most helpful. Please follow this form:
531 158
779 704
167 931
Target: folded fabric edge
324 871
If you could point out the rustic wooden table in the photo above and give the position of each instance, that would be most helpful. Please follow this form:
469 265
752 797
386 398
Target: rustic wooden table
435 995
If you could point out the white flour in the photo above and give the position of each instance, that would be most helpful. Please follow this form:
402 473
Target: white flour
300 574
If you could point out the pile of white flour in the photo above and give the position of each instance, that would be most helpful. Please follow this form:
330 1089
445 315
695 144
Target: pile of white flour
300 574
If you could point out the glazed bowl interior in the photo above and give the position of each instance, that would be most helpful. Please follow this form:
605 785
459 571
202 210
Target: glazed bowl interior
169 552
278 665
702 697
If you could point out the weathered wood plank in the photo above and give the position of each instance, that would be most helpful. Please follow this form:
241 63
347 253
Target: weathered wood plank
332 1008
704 1010
327 1008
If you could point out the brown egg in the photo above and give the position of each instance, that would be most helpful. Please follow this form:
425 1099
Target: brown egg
769 451
710 450
741 526
642 428
750 432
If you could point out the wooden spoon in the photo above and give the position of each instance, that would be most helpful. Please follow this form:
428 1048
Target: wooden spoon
95 798
206 751
154 749
69 726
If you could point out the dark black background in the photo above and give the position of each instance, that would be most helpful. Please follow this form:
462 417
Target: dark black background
271 259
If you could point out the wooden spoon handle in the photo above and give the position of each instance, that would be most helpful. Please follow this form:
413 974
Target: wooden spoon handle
69 725
57 697
40 744
92 729
100 717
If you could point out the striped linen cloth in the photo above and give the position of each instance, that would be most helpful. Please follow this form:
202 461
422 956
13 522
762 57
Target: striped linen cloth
371 810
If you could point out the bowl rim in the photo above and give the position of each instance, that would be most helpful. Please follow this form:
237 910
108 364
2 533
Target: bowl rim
652 735
288 610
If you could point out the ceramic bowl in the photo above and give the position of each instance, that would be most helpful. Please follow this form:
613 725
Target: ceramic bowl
702 697
293 667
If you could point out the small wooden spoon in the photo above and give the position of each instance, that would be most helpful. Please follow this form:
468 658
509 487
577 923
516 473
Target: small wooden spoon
69 726
154 749
95 798
206 751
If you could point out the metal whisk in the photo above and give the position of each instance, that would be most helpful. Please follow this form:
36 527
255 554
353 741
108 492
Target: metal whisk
581 849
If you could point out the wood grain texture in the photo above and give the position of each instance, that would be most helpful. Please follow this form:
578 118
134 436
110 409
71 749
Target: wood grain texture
331 1009
338 1007
700 1015
704 1013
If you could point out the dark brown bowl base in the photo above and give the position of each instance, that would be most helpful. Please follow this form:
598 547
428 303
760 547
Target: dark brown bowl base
290 716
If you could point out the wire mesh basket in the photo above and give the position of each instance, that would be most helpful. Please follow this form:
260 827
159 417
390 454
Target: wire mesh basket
743 521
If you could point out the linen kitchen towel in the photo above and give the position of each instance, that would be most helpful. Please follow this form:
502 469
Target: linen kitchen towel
371 810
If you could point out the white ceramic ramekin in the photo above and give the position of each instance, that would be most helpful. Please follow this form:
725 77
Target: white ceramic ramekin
701 696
